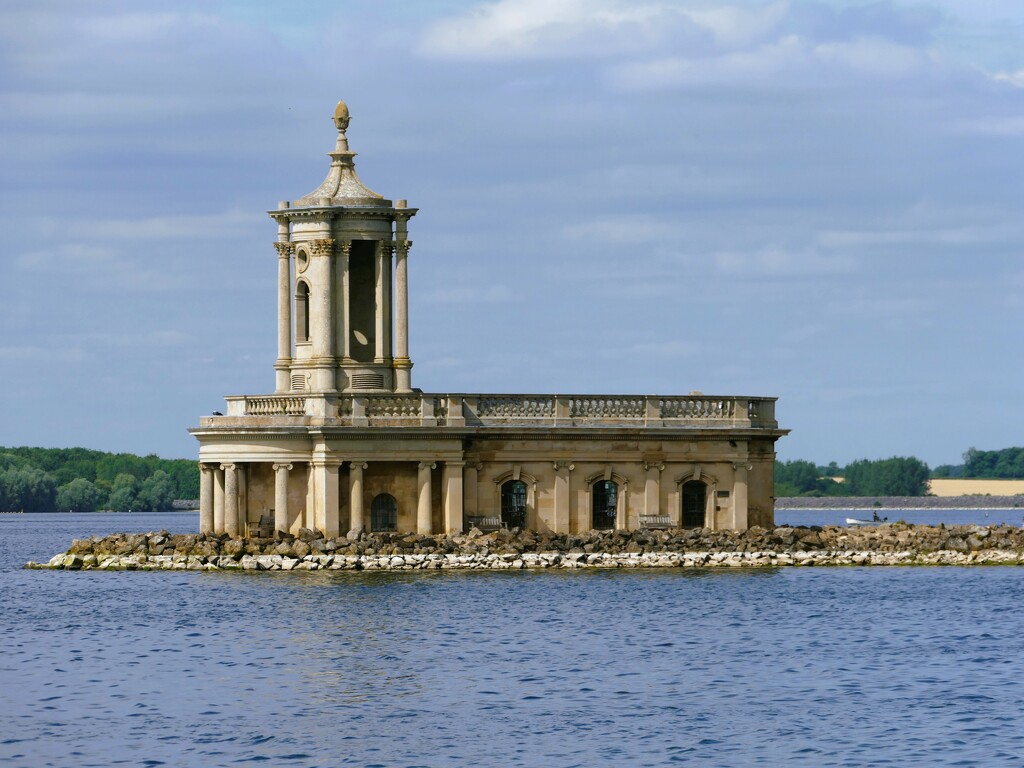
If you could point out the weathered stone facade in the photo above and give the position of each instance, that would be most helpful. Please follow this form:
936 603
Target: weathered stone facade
345 444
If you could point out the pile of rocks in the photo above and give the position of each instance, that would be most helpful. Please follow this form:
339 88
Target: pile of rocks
889 544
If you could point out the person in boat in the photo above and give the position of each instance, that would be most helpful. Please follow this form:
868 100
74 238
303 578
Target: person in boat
877 519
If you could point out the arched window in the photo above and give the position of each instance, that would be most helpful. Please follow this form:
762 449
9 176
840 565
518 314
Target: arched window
694 499
384 513
301 311
604 497
513 504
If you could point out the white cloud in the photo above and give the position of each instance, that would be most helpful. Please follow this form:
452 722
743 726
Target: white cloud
1015 79
773 262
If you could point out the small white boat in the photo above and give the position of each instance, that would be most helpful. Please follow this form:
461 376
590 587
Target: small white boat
856 521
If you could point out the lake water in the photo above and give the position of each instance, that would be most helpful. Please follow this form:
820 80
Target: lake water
812 667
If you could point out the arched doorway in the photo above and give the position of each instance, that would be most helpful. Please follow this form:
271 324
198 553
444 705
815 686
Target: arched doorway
384 513
513 504
694 500
604 495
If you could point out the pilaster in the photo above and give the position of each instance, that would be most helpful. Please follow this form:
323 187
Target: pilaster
452 480
424 522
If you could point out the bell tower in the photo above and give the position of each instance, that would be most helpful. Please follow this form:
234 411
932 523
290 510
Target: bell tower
343 290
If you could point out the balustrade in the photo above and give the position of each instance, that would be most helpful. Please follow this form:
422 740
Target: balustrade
538 410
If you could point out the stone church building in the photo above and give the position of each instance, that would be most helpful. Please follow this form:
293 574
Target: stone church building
345 443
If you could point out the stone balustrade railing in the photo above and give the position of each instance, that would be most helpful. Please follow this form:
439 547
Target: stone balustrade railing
457 410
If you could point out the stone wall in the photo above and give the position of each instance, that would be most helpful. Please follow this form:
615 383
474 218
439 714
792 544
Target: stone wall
891 544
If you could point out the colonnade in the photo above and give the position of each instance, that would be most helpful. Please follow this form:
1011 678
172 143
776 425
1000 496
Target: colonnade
223 495
223 503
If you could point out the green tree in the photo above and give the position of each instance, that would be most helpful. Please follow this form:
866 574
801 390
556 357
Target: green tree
157 492
896 476
27 488
124 496
79 496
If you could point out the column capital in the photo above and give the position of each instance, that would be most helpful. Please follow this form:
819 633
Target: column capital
284 250
343 247
322 247
282 466
230 466
742 465
649 465
205 466
358 464
454 463
403 246
427 465
560 465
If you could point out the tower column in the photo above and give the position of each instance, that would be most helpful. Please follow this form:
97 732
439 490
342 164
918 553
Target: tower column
357 523
345 315
281 497
424 522
382 292
323 332
230 500
284 312
403 366
205 498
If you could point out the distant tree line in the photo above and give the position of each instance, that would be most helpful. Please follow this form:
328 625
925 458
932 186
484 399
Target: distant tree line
897 476
1004 464
81 480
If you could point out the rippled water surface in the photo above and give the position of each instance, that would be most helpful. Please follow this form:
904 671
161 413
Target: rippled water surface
816 667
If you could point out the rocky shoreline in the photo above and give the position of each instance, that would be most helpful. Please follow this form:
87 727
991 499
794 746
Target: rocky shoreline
889 544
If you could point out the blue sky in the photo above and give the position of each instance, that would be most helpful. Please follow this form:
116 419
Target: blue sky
815 200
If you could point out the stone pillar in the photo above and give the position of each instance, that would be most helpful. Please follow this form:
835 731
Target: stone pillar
281 497
424 519
218 499
323 319
560 524
357 520
652 489
230 500
325 497
452 480
284 314
344 316
471 489
403 366
739 497
243 499
205 498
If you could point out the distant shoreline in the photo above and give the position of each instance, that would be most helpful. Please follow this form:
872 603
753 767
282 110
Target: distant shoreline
829 503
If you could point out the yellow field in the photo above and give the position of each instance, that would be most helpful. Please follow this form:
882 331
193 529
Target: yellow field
955 487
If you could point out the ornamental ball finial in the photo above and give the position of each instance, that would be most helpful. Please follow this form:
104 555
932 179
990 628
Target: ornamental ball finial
341 116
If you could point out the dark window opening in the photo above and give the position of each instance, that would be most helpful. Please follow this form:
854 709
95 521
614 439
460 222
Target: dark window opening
513 504
384 513
604 501
694 497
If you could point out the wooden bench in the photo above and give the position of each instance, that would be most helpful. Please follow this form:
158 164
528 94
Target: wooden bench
485 524
264 529
655 521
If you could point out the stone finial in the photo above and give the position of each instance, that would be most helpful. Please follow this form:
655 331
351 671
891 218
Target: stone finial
342 186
